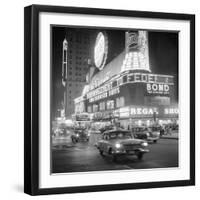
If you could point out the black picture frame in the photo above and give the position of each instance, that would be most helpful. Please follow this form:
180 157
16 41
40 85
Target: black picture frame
31 98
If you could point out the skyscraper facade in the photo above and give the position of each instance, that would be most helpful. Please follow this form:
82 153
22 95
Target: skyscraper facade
76 53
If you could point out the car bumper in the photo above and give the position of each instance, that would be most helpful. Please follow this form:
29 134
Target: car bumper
129 152
152 138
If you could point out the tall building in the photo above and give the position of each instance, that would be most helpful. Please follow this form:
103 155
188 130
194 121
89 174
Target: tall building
76 53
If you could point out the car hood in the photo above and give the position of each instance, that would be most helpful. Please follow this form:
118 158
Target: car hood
127 141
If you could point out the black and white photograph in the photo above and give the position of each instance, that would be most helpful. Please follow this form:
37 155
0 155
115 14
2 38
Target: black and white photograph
109 100
114 99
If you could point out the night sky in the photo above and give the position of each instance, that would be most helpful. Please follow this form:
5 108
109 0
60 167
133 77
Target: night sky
163 54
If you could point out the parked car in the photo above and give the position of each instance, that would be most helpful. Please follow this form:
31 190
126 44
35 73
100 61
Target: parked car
121 142
106 128
154 133
151 134
80 134
94 131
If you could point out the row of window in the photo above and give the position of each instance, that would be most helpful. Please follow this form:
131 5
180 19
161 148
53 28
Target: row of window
107 105
74 84
77 79
76 74
83 63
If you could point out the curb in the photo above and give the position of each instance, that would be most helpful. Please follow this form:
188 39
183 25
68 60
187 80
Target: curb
173 138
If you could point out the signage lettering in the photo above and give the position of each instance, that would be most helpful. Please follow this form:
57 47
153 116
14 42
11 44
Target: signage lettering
171 111
156 84
143 111
154 88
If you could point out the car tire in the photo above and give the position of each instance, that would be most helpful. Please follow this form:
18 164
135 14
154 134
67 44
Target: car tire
101 152
110 151
73 140
115 158
155 141
140 156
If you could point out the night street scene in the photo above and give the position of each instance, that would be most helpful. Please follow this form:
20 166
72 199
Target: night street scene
114 99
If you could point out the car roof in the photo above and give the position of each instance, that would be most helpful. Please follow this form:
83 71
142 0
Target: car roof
139 126
117 130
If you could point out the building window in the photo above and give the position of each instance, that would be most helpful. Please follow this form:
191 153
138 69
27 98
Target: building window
125 79
114 83
120 102
95 108
102 106
89 109
110 104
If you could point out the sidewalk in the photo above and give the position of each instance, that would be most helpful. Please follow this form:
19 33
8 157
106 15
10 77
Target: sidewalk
173 135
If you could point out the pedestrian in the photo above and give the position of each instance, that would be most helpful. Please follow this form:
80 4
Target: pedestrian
162 131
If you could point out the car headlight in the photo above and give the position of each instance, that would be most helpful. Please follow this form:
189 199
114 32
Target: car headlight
144 144
117 145
77 135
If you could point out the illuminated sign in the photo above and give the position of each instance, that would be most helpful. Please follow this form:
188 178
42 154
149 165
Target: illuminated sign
154 88
143 111
105 94
82 117
138 111
149 78
136 78
137 56
171 111
131 40
156 84
100 50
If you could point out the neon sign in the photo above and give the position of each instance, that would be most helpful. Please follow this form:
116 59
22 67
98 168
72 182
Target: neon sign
100 50
143 111
154 88
105 94
171 111
137 56
156 84
138 111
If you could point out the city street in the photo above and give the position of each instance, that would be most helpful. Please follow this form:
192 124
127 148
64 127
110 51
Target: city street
83 157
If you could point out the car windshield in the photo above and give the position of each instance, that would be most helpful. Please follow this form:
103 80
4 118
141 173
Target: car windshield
154 128
119 135
139 129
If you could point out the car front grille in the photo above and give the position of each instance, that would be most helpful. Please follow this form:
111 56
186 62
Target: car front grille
130 147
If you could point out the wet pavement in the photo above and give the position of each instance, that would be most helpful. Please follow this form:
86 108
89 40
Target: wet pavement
84 156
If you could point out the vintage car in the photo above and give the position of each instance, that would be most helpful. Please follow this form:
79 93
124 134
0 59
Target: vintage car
79 135
106 128
121 142
151 134
154 133
94 131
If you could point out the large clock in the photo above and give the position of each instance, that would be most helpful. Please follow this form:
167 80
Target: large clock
100 50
